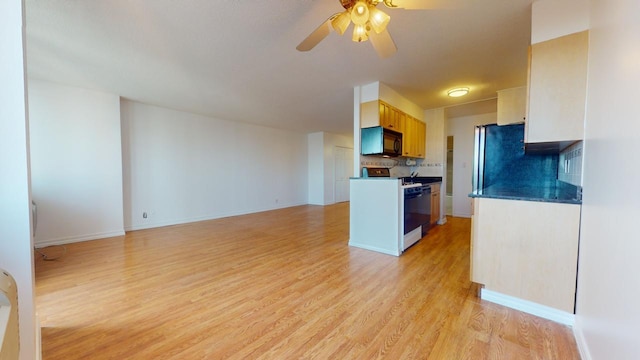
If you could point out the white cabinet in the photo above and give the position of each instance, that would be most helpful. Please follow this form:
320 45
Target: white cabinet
526 249
512 105
557 89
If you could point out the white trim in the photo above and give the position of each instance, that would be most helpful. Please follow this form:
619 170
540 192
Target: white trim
411 238
170 222
38 338
582 343
79 238
529 307
373 248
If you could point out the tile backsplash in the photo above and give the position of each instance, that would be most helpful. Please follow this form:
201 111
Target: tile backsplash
399 168
570 165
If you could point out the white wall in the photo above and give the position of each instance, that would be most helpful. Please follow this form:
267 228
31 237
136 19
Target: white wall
607 314
435 154
394 98
315 160
76 163
181 167
463 131
552 18
16 243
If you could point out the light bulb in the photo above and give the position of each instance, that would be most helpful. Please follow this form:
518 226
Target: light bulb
341 22
360 13
378 19
360 33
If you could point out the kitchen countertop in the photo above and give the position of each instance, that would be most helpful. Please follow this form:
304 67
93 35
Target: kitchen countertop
557 192
419 179
425 179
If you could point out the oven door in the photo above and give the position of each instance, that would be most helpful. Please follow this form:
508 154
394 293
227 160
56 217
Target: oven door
417 208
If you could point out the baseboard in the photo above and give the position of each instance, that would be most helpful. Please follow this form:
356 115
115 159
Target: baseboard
529 307
38 338
373 248
170 222
78 238
581 342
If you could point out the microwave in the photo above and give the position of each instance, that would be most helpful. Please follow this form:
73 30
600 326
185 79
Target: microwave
380 141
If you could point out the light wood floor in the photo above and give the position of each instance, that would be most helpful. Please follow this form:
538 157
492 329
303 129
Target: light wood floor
278 285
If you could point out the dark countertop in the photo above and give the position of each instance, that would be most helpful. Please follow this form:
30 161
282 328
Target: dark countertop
423 179
558 192
419 179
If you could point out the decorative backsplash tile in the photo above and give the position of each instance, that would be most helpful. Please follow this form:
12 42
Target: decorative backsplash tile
508 165
399 168
570 165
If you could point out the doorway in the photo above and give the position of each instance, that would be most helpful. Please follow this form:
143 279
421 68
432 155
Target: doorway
448 199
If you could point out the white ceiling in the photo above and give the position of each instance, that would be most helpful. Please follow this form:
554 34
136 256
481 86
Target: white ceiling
236 59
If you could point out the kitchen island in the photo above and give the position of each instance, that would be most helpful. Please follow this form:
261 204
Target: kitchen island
377 214
524 247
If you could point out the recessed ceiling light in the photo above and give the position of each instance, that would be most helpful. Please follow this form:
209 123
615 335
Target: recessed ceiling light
457 92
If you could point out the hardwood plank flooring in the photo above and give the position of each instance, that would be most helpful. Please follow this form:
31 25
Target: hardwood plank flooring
281 284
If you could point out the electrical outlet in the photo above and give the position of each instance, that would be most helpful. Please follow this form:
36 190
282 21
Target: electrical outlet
144 215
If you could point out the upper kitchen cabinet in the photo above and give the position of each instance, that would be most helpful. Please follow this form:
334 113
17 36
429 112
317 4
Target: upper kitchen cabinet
512 105
557 89
413 139
421 139
379 113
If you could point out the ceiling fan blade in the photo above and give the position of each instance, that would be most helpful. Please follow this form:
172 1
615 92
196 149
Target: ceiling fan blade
428 4
317 35
383 43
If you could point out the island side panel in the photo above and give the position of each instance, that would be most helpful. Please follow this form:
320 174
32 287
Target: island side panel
527 249
375 215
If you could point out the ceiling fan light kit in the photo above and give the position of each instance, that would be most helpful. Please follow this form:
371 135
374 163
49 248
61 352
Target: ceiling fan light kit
360 13
341 22
365 17
378 19
360 33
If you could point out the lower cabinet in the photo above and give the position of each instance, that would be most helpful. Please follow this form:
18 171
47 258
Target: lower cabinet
526 249
435 203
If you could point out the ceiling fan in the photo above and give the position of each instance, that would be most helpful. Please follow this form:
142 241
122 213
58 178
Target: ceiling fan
369 22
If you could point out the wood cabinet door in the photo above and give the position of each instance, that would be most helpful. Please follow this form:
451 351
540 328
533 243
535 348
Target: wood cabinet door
389 117
435 203
408 136
512 105
420 139
557 89
514 255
